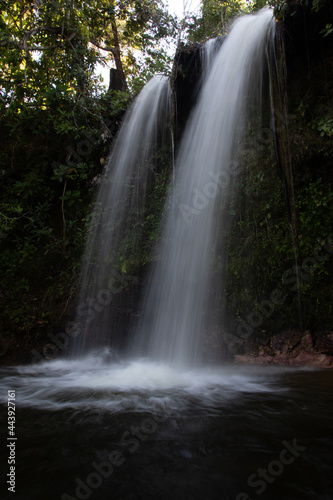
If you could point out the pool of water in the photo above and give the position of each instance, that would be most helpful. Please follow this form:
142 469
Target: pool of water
141 430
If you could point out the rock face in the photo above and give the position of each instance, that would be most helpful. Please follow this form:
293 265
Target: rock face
291 348
187 70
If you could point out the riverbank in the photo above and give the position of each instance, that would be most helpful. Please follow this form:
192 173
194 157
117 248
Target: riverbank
291 348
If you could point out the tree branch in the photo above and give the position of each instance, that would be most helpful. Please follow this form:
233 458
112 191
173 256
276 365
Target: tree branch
23 44
107 48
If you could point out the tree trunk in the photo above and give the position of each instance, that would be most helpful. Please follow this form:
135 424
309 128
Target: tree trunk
116 55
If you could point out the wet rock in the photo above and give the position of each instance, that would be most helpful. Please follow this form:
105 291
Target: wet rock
324 343
306 342
263 339
185 81
292 348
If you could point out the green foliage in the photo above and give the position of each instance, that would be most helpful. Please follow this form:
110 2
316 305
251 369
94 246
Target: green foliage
327 30
55 46
137 247
290 7
260 242
318 4
214 18
264 255
315 216
56 126
147 33
120 102
281 7
324 125
154 60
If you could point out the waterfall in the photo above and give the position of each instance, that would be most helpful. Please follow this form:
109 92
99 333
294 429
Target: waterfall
118 208
181 287
184 287
208 52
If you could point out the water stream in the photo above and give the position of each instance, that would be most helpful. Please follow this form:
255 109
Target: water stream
182 284
146 431
118 209
162 425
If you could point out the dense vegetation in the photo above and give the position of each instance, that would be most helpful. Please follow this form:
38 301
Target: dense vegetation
57 123
281 235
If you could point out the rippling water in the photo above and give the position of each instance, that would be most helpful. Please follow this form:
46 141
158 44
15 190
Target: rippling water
143 430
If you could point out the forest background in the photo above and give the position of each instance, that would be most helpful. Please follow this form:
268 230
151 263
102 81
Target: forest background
57 125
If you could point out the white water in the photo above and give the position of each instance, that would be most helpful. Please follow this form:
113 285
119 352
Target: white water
208 53
91 383
182 284
220 443
119 205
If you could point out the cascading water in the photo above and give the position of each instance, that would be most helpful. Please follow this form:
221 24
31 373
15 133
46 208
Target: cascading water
145 429
175 317
118 207
208 53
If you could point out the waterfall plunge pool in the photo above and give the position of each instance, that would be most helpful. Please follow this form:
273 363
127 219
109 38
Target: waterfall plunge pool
144 430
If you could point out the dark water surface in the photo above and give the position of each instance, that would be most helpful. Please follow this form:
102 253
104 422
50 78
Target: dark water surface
142 431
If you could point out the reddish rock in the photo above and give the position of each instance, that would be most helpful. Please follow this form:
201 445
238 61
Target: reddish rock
307 342
293 349
324 342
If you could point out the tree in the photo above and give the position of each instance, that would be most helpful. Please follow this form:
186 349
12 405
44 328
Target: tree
43 43
214 18
56 126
